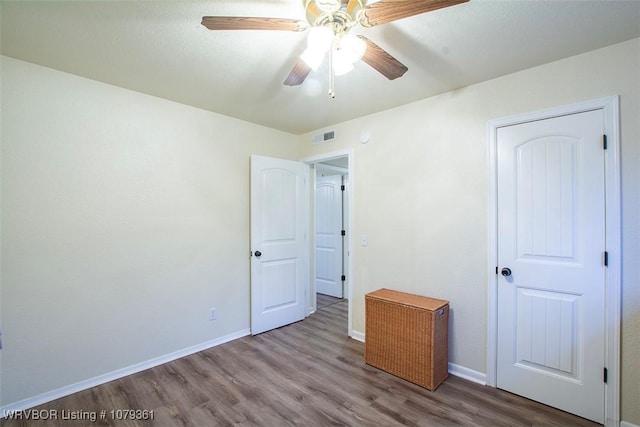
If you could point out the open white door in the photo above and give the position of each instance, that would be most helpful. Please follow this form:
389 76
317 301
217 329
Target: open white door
279 226
329 235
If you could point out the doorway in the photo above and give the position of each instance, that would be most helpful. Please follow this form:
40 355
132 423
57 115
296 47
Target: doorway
331 280
554 292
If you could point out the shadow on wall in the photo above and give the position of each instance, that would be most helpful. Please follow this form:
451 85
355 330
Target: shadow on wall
630 371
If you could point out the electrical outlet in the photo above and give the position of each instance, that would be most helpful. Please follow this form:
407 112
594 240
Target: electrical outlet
212 313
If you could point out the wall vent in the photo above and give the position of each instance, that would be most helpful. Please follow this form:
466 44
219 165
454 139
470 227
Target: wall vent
324 137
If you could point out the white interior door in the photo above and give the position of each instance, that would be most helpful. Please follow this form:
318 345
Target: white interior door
329 228
551 236
279 227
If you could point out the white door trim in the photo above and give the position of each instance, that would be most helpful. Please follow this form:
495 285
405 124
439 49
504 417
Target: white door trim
610 108
350 208
328 168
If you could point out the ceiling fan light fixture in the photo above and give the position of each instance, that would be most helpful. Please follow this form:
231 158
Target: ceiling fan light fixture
320 38
319 41
313 58
354 47
347 51
341 63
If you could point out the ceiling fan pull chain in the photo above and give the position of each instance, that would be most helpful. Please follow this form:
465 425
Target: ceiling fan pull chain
332 74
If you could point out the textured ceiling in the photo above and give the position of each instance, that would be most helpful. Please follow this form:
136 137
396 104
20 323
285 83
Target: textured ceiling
160 48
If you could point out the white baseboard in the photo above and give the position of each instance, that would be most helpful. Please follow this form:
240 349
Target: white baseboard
358 336
119 373
467 374
627 424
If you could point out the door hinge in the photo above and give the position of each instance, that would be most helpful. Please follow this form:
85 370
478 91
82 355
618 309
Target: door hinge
604 142
606 259
604 376
344 277
342 188
343 232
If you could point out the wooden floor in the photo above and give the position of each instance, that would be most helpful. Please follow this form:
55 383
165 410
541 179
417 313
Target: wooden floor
326 300
309 373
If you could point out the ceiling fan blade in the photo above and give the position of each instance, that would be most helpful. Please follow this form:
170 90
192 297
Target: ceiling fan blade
299 73
391 10
382 61
251 23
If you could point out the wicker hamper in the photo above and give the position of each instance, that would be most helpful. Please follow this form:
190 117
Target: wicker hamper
407 336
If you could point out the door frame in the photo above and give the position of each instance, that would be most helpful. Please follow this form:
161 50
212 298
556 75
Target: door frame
610 108
312 160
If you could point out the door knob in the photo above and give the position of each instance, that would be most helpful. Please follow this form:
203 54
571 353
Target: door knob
257 254
506 272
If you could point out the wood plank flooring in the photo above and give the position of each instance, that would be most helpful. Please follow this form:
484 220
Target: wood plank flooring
325 300
309 373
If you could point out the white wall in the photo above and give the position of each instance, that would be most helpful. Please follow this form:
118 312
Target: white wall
421 194
124 219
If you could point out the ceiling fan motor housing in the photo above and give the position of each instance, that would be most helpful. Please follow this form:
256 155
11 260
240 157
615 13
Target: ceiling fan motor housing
340 15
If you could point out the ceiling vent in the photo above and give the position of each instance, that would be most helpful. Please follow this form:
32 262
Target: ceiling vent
321 138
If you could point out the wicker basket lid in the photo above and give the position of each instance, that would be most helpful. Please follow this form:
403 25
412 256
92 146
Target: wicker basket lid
405 298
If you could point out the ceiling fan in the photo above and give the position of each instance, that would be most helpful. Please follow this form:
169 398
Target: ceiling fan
329 23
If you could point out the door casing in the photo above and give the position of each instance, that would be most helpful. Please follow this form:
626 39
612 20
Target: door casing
610 108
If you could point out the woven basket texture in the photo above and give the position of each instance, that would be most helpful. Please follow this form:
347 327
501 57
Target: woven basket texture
407 336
